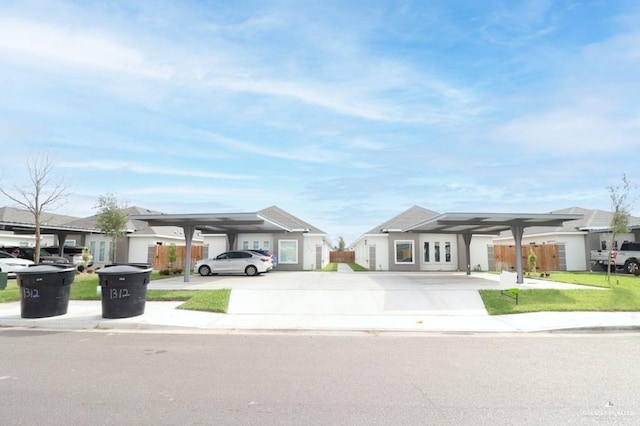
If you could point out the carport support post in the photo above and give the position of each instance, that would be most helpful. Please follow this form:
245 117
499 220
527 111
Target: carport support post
62 237
517 231
189 230
467 250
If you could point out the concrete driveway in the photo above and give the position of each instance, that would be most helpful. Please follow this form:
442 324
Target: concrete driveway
349 293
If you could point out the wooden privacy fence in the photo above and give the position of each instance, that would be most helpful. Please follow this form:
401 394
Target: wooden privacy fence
342 256
161 256
505 257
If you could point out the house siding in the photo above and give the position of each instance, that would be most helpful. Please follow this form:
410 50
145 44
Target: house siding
479 253
214 244
311 243
381 245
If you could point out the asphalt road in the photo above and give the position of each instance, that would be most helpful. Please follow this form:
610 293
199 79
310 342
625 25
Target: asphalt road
63 378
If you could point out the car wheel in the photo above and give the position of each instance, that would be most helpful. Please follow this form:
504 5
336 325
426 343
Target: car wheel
251 270
204 270
631 265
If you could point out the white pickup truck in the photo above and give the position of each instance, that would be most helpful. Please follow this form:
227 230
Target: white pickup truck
628 257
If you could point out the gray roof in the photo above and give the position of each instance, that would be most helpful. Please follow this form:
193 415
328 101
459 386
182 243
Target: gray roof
278 216
410 217
592 220
15 215
135 226
22 220
270 219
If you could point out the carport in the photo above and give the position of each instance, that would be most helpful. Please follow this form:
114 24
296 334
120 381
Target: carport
230 224
468 224
60 231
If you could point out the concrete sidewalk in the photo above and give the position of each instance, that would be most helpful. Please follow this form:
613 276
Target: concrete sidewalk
330 302
87 315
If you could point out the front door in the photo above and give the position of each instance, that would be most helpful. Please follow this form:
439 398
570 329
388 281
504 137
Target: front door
372 258
318 257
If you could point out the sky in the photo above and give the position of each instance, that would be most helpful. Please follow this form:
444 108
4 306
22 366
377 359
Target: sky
344 113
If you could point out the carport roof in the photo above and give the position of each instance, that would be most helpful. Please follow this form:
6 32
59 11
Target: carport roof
271 219
216 222
487 223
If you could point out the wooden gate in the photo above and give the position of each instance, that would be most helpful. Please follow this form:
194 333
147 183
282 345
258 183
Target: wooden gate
342 256
505 257
161 256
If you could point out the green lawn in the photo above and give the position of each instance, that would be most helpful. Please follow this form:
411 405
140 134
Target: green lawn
623 294
330 267
357 268
85 287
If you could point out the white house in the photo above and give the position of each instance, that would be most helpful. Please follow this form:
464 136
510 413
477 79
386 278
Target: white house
388 247
397 245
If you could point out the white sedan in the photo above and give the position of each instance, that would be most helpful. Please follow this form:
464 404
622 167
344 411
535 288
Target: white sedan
12 264
234 262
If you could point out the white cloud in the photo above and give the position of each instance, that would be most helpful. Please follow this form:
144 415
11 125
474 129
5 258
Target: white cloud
307 153
570 131
147 169
380 94
72 46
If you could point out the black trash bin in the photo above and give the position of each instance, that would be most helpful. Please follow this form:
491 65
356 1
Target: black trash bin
124 289
44 289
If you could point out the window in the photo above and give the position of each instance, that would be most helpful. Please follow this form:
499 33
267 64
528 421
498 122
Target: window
102 248
111 251
404 251
245 245
447 252
256 245
265 245
92 248
69 243
288 251
436 249
427 254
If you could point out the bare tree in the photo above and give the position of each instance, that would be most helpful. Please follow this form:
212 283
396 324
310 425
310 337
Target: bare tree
45 191
621 211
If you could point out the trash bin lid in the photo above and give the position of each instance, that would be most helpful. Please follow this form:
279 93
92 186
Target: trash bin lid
46 268
120 269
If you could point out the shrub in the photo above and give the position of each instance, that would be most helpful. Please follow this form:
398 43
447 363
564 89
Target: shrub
178 271
637 272
165 272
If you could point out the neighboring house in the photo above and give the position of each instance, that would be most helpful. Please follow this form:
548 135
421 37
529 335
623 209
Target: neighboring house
575 239
137 246
17 227
387 248
393 246
301 247
297 244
